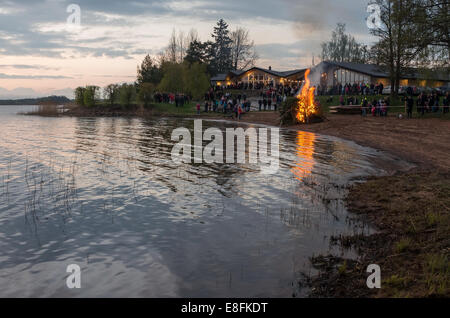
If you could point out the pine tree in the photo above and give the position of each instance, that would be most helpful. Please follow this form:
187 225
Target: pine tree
149 72
222 61
196 52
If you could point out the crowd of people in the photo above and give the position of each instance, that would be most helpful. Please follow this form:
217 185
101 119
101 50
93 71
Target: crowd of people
351 89
270 98
376 107
428 103
170 98
425 103
227 103
288 90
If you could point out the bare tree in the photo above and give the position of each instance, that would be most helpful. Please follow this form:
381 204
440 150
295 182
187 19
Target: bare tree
243 50
192 36
182 46
433 26
343 47
398 44
173 47
178 45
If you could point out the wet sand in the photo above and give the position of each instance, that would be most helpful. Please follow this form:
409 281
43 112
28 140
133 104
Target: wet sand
423 142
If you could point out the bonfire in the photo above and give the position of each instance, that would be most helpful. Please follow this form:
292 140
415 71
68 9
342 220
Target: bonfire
306 109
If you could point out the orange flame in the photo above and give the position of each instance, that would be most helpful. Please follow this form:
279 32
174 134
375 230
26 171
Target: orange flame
306 106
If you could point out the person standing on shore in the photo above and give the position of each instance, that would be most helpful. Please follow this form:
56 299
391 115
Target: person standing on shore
446 103
409 106
239 110
364 107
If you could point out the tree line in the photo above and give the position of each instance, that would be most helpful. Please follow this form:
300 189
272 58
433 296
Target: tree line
184 67
411 33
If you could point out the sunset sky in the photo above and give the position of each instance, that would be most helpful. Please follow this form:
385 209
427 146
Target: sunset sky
40 56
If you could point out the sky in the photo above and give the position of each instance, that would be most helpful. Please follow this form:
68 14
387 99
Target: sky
41 54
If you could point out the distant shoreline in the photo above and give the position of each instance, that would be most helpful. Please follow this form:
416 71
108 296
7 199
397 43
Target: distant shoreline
35 101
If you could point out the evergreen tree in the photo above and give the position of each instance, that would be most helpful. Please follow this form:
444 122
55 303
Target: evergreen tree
222 60
149 72
196 52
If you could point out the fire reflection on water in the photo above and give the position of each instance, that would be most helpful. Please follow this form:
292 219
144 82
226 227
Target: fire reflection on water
305 148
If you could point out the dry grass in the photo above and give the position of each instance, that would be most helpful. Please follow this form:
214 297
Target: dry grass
47 109
412 246
412 210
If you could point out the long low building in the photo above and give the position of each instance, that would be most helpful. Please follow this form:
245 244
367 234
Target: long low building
335 73
331 74
259 76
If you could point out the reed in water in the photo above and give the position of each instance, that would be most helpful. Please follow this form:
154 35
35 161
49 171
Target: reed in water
47 109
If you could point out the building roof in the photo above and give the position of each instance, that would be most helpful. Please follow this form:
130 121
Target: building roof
273 72
219 78
368 69
381 71
224 77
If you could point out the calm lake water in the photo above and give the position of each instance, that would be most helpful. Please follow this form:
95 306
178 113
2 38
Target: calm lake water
103 193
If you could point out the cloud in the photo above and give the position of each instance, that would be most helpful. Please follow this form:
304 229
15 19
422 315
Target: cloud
33 77
19 92
280 49
37 28
28 67
27 92
287 32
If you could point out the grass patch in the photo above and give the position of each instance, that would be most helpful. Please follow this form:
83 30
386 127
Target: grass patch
342 269
437 274
434 218
187 109
412 213
396 281
403 245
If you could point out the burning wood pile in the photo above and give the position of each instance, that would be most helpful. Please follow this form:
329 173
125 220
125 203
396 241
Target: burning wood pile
304 109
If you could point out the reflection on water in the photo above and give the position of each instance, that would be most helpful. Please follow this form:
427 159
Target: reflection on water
305 154
105 194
